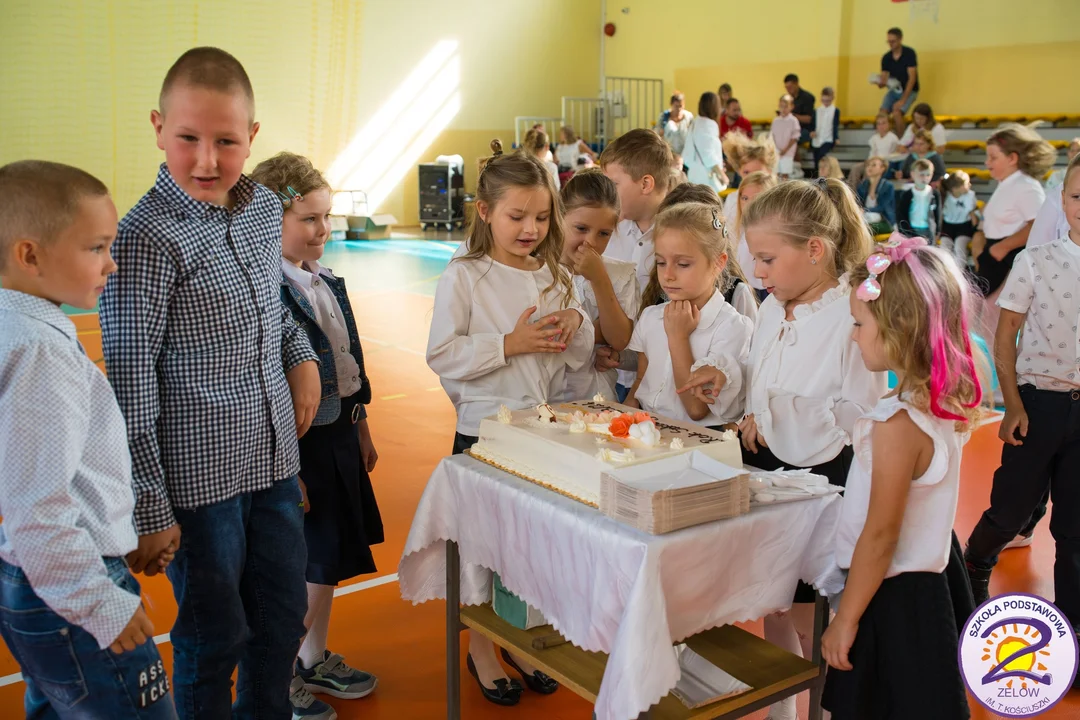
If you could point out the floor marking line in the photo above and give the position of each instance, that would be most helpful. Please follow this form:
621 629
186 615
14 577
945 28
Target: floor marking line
164 637
392 397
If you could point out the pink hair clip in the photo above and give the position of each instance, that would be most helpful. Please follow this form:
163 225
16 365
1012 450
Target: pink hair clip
870 289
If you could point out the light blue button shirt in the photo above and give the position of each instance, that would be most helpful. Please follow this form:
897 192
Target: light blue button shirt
66 496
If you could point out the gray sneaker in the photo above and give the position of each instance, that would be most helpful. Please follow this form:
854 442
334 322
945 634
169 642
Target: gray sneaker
336 679
306 706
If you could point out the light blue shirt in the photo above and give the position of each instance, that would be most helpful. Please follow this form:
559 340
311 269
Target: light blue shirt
66 496
920 207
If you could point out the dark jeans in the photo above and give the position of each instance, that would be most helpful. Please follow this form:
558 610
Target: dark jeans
820 152
239 584
1048 459
67 674
621 391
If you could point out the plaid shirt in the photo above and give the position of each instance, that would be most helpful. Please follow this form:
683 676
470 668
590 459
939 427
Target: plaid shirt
197 344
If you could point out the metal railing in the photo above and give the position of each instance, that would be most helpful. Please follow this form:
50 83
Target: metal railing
589 118
634 103
522 123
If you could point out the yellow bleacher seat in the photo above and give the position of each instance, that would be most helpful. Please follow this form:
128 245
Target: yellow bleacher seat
980 204
1068 119
999 119
857 122
1060 144
726 191
882 237
762 122
966 145
974 172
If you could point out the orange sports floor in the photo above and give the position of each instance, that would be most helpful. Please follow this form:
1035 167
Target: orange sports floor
391 287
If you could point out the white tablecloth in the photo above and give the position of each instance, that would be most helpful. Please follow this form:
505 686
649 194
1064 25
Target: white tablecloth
608 587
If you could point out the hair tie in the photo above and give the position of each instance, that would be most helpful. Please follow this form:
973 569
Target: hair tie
719 224
894 250
823 183
289 196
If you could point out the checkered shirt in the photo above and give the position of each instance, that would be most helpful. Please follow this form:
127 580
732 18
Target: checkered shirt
197 344
65 474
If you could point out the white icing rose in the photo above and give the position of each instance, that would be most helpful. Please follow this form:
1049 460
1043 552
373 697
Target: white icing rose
504 415
645 433
577 425
677 444
613 457
730 435
599 398
546 413
601 441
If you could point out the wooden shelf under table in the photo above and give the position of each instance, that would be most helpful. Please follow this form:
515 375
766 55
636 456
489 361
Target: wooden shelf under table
768 670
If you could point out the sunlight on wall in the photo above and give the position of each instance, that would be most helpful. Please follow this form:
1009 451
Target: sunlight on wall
399 133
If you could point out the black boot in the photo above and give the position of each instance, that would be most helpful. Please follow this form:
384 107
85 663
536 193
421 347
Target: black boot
980 583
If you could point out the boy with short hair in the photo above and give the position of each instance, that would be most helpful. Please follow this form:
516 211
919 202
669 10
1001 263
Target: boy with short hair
918 208
203 358
640 164
71 613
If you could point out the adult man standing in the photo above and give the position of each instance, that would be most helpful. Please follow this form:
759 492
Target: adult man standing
733 119
900 74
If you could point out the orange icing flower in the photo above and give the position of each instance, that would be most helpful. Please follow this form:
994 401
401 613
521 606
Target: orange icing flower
641 417
620 426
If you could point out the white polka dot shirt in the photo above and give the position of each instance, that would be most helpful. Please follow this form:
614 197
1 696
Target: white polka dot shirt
1044 285
65 473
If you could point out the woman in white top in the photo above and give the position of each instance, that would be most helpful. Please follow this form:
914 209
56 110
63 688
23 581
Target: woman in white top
703 154
901 606
504 331
806 385
922 117
569 149
695 326
674 123
606 287
1016 157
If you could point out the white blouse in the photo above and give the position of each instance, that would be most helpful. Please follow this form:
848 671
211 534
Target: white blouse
586 381
307 280
721 339
675 132
1050 223
703 152
926 531
1015 202
477 304
883 146
808 384
937 132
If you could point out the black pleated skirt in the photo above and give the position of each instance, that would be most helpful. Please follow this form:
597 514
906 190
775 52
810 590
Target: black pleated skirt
904 656
344 520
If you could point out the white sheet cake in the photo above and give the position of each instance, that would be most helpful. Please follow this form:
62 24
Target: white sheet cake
568 446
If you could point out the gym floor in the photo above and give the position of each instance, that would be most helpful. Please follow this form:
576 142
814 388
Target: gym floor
392 286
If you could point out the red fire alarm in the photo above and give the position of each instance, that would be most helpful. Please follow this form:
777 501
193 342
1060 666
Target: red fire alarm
609 29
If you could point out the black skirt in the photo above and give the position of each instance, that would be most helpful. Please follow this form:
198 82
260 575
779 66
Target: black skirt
992 273
344 520
836 470
904 656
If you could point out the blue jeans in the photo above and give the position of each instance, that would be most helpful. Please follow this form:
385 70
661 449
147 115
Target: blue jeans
239 584
893 95
67 674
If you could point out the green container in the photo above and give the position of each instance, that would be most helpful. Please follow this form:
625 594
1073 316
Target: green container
513 609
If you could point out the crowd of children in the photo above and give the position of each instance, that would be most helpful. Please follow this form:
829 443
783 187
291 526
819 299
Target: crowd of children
230 448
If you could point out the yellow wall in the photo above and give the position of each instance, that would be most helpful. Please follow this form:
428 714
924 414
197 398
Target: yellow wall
78 79
989 56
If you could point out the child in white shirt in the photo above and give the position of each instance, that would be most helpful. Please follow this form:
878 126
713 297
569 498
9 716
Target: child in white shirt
958 216
806 385
607 288
506 328
696 326
570 149
785 131
905 599
883 142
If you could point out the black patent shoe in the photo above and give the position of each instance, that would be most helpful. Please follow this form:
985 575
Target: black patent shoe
538 682
506 692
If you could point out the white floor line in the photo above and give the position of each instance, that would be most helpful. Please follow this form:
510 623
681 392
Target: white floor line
164 637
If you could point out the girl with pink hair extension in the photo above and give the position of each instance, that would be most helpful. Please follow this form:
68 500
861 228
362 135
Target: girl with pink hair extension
906 595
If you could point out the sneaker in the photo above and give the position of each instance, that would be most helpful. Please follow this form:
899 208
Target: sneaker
306 706
1020 541
336 679
980 583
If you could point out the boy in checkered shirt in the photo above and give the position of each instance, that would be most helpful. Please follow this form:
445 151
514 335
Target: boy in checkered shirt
208 370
